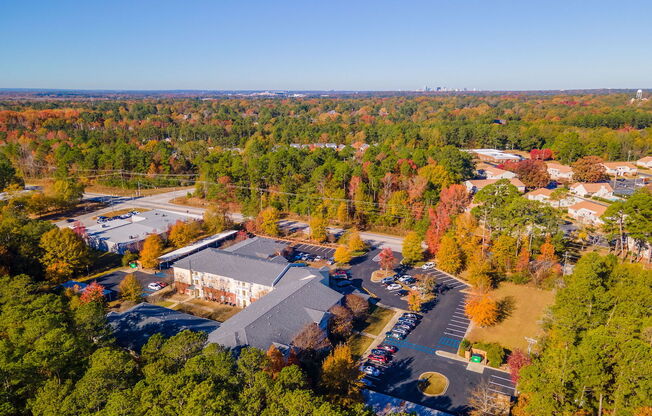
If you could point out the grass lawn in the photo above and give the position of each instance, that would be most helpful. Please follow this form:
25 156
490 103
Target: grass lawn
432 383
377 320
527 306
207 309
164 303
359 344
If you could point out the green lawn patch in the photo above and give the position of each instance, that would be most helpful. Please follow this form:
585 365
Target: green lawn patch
377 320
359 344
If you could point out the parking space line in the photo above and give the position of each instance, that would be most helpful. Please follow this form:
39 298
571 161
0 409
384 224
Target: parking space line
459 326
461 322
453 335
497 391
503 378
502 385
455 330
460 314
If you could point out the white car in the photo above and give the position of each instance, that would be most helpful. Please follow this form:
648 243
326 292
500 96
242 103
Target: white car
404 278
370 370
428 266
154 286
394 286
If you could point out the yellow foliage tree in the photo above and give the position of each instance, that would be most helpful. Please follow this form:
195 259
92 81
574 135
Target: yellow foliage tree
449 256
130 288
318 230
342 254
415 301
152 250
340 376
354 241
64 254
268 221
482 310
342 213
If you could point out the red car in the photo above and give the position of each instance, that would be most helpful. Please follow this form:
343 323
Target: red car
379 358
388 347
162 284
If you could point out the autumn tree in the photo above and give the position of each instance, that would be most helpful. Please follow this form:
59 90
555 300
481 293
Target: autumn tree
94 292
523 260
533 173
151 251
216 219
318 231
589 169
311 338
130 288
503 253
387 259
516 361
412 251
485 401
482 310
449 256
358 306
340 377
479 270
354 242
414 301
341 321
64 254
342 213
267 221
183 233
276 362
342 255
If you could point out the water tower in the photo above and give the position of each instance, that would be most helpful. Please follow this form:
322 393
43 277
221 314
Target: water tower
639 94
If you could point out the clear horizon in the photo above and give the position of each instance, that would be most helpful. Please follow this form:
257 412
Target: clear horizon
292 46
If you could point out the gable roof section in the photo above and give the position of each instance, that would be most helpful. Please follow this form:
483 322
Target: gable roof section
592 187
300 298
561 168
236 266
132 328
597 209
263 248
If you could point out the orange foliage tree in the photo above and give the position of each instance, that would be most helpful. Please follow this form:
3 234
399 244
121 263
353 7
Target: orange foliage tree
482 310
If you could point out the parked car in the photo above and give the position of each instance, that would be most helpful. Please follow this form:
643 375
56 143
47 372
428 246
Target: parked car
343 283
154 286
411 315
70 220
399 330
395 335
404 278
408 322
135 212
388 347
370 370
405 327
101 217
161 283
428 266
383 359
394 286
388 280
380 351
401 293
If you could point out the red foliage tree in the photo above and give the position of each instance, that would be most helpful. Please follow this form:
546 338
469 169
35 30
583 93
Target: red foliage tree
540 154
93 293
533 173
387 259
516 361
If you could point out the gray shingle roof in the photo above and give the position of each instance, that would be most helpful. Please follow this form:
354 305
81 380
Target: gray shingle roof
237 266
263 248
300 298
132 328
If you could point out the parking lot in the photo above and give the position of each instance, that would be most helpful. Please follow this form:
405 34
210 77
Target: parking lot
323 252
442 328
112 280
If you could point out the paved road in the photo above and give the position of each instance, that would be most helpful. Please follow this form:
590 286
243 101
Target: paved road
162 201
112 280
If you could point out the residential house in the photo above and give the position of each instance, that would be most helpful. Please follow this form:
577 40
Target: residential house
492 172
559 172
475 185
587 212
544 195
620 168
645 162
600 189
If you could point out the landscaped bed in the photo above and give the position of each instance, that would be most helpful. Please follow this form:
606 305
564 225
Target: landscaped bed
359 344
526 308
432 383
377 320
207 309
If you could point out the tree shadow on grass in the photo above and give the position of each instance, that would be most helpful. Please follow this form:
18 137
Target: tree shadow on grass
506 307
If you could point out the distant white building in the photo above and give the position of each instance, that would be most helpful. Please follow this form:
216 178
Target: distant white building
601 190
620 168
476 184
645 162
559 172
494 155
587 212
492 172
120 235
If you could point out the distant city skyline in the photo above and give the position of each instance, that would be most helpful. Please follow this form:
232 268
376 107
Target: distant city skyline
338 45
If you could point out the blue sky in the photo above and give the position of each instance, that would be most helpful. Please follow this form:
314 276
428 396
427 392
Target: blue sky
321 45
